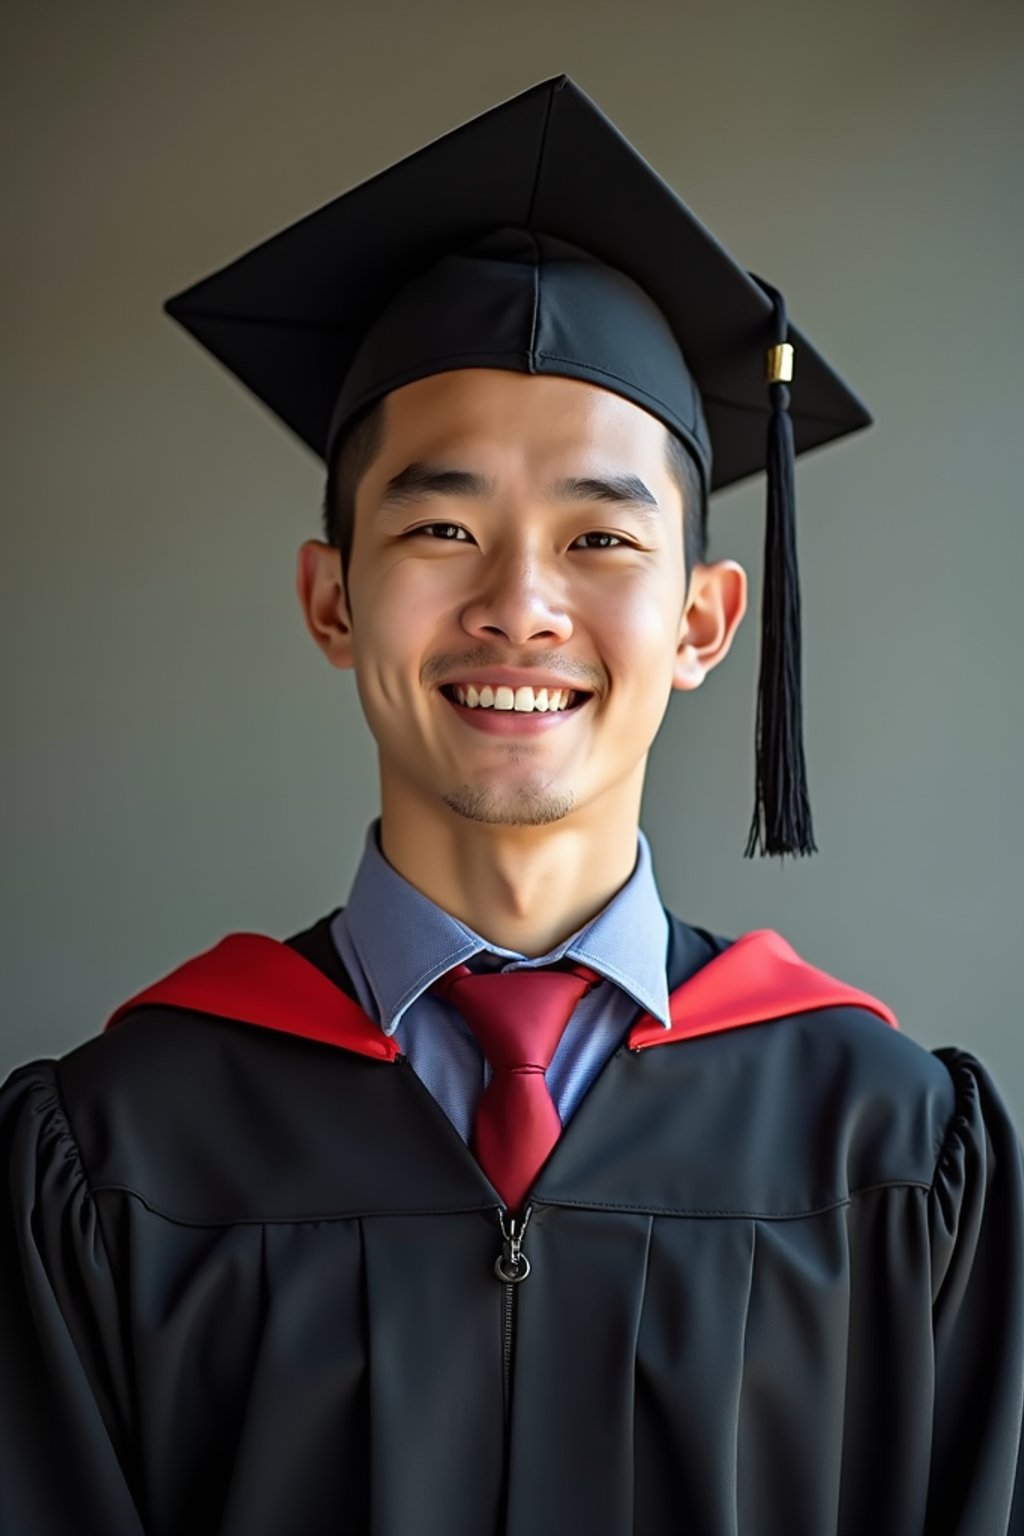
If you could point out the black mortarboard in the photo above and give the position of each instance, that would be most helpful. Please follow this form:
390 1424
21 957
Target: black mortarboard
534 237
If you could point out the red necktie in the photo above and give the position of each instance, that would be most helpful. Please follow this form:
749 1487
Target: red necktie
518 1018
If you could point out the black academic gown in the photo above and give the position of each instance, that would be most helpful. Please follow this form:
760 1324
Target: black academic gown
248 1281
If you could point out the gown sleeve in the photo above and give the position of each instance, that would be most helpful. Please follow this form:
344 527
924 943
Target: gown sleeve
977 1227
65 1448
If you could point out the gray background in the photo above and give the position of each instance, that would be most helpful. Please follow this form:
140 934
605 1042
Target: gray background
180 762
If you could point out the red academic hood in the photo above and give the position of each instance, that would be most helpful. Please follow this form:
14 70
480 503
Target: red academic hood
254 979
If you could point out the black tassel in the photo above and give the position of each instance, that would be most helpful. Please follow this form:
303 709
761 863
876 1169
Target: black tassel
781 823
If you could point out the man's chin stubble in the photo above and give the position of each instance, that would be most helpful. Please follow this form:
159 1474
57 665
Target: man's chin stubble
525 808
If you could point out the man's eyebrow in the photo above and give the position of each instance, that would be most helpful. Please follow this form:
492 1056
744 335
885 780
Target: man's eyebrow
420 481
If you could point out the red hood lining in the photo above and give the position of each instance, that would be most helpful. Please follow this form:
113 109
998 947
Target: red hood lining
254 979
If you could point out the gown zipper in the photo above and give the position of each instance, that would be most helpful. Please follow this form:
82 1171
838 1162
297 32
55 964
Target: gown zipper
511 1267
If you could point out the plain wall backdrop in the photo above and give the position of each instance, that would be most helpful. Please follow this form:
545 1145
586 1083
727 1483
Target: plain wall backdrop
180 762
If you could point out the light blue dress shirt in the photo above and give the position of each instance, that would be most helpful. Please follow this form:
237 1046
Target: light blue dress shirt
394 942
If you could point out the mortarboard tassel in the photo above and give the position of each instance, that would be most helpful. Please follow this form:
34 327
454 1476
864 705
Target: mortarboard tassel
781 822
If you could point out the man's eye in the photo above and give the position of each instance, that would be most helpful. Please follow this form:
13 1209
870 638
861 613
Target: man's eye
602 536
425 527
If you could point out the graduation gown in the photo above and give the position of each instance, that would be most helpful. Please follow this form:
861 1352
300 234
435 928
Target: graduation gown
249 1286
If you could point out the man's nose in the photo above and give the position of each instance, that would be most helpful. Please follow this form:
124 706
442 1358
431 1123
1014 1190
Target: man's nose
519 597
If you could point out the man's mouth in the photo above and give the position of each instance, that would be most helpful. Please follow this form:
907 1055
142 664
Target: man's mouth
522 700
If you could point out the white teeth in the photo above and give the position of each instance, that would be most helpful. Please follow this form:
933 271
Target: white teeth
524 699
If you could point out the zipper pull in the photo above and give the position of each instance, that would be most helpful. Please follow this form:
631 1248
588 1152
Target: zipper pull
511 1266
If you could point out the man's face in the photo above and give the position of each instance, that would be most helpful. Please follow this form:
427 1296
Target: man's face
564 586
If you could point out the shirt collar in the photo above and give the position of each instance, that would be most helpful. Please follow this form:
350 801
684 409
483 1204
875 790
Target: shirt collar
626 942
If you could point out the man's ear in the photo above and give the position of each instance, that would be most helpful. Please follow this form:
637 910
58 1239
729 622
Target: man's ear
322 599
716 601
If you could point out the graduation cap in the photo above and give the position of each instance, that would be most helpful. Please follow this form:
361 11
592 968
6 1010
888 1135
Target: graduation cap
534 237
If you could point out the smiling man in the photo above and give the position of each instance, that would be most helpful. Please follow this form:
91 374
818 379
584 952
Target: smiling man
500 1201
514 664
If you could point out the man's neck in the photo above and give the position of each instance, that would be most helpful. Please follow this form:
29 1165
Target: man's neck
521 888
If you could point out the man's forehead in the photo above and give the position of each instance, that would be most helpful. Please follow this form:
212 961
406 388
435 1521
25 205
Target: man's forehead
515 418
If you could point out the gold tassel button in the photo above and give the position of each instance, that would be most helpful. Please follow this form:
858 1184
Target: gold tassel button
778 363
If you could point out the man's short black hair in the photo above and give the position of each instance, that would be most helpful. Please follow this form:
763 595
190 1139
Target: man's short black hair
363 439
